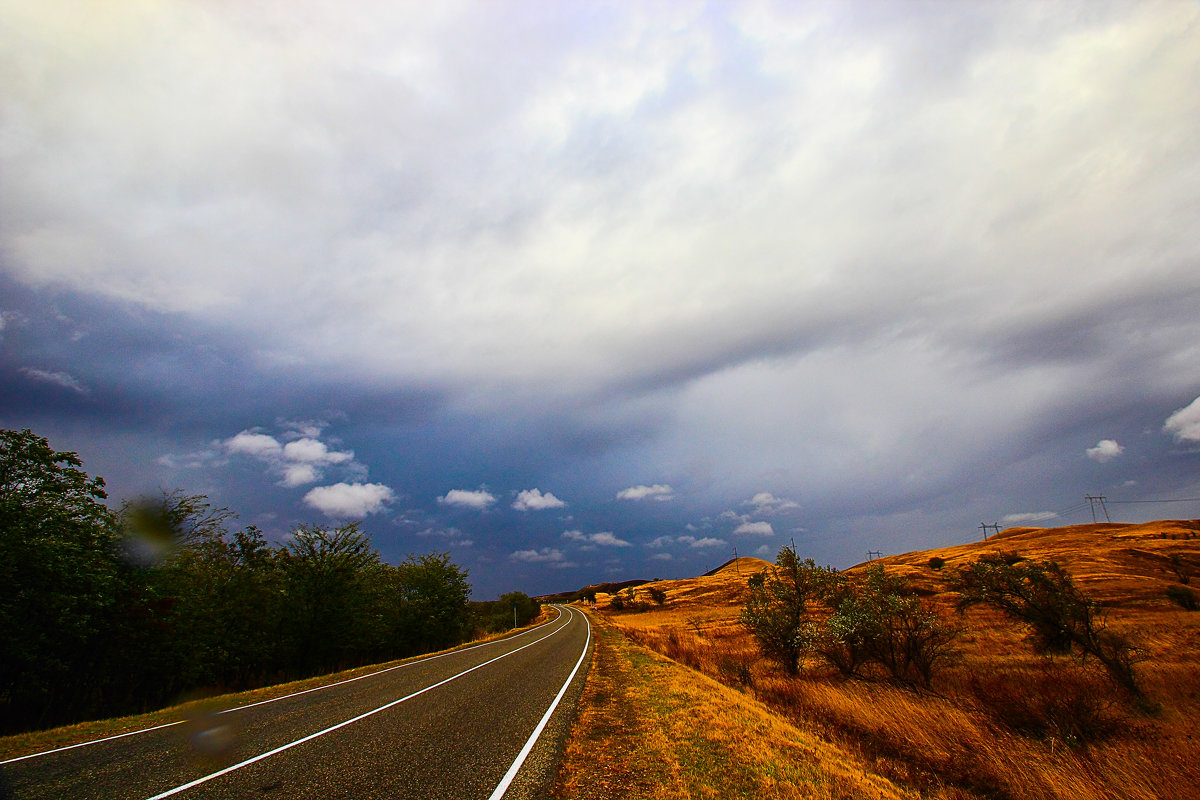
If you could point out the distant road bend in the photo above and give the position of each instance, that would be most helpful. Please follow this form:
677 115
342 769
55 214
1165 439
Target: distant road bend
485 721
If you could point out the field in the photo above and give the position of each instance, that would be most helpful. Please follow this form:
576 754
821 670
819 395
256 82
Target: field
1001 721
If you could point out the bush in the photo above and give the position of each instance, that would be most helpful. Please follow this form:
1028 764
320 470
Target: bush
1064 703
1059 617
936 563
1184 597
877 618
874 618
657 595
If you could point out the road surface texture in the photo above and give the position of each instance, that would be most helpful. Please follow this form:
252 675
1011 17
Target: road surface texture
473 723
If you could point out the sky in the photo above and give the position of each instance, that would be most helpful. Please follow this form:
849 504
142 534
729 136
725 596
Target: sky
590 291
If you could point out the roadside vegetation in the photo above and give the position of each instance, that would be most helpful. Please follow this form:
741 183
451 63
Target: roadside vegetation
107 612
651 728
1064 666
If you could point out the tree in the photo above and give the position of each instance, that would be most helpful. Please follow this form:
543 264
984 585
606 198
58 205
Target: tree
432 595
877 618
657 595
333 618
526 610
777 611
1059 618
58 578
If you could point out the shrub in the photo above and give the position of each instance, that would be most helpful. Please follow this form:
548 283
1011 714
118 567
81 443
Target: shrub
1060 618
936 563
877 618
1063 703
657 595
1183 597
873 618
1179 568
735 670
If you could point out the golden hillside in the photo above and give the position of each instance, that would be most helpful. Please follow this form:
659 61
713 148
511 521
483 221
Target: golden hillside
966 738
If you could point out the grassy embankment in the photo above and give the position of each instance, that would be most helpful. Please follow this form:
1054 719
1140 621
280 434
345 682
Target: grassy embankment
651 728
1002 722
37 741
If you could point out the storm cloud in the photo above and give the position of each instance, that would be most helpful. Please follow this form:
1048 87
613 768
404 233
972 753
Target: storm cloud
887 272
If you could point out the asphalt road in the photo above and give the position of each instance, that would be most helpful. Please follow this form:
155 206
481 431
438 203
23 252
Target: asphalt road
473 723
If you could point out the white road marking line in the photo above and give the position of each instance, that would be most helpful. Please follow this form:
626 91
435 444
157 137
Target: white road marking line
502 787
93 741
419 660
332 728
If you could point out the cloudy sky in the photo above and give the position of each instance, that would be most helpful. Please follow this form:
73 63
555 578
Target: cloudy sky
577 292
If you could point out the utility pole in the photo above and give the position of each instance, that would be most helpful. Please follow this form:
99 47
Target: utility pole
873 554
1092 500
986 527
514 615
736 565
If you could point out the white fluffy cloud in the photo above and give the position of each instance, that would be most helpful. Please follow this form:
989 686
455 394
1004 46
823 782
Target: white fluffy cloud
1184 424
707 541
550 556
299 475
755 529
534 500
468 498
1028 516
259 445
1105 450
349 500
659 491
63 379
765 502
301 461
691 541
604 538
312 451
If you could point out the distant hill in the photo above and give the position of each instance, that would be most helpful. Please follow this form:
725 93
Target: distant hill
1117 563
595 588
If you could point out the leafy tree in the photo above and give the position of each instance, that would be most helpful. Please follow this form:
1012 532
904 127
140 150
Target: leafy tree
432 595
59 578
777 611
877 618
526 610
1060 619
332 577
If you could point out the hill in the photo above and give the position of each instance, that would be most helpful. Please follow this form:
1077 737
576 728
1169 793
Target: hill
1002 721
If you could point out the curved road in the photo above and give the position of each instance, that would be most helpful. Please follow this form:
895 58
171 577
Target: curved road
485 721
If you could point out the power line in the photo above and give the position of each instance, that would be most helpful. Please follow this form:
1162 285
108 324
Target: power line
1177 500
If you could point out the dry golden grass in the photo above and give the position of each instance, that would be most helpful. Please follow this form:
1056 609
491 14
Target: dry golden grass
960 739
650 728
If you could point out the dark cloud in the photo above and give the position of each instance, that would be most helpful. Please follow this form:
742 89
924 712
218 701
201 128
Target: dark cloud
905 264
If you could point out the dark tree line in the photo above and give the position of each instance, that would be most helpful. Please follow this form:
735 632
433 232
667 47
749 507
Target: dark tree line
105 612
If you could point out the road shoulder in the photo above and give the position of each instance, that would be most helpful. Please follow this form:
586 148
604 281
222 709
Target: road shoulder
649 727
